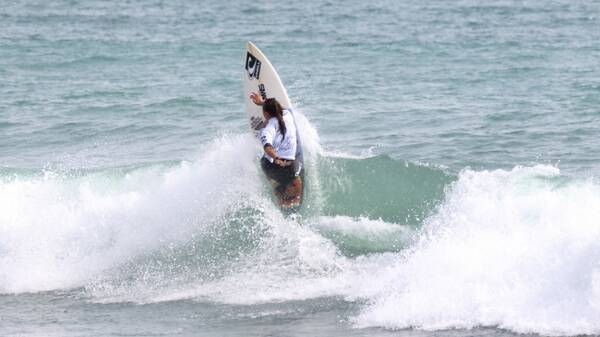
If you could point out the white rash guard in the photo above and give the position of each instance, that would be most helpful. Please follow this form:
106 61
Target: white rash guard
285 147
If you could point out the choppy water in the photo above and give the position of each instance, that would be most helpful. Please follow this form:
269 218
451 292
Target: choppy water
452 164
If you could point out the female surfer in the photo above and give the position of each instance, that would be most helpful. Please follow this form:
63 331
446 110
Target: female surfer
279 140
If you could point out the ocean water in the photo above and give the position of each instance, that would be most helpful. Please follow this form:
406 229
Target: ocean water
452 161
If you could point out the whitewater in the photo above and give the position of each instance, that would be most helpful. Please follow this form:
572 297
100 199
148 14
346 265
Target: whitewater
451 156
513 249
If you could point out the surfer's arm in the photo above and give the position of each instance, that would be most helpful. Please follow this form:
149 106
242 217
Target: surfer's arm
267 134
271 151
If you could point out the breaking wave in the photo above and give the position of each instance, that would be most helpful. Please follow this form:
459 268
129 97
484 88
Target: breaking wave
416 246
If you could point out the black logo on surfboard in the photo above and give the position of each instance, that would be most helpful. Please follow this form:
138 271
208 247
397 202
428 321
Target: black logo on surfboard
252 66
263 91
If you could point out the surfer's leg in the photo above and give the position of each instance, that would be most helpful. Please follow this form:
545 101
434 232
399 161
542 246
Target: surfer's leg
286 179
269 169
282 175
292 195
287 186
293 189
272 172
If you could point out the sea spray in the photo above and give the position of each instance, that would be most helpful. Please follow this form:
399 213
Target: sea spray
58 231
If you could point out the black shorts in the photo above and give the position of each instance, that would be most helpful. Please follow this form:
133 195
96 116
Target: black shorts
283 175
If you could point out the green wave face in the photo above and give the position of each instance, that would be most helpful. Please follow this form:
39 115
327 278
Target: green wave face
380 188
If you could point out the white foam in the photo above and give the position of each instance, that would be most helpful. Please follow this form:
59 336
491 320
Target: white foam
58 232
364 154
513 249
308 135
294 263
358 226
364 235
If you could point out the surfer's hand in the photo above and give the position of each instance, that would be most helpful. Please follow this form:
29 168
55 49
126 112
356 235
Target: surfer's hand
279 162
256 98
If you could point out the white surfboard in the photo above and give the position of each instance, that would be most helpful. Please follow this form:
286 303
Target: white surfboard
260 77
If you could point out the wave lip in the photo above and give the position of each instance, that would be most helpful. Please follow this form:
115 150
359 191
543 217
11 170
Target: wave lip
516 250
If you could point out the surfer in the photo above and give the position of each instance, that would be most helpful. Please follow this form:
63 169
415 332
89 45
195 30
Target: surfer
279 140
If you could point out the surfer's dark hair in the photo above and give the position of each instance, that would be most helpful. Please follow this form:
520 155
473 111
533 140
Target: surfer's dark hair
274 109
